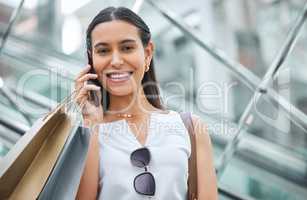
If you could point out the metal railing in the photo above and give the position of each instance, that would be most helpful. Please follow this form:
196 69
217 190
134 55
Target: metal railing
251 80
3 90
12 20
8 95
262 89
14 126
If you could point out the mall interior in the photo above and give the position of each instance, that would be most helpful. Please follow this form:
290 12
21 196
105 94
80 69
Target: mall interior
239 65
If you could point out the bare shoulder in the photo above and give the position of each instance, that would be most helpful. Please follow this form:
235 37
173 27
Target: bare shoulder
201 131
199 124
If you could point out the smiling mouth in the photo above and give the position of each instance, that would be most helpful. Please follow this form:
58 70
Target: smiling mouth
119 76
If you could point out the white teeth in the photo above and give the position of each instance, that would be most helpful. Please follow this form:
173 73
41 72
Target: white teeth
119 76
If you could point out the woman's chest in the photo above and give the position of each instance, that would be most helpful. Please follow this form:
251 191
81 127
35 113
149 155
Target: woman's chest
170 150
167 141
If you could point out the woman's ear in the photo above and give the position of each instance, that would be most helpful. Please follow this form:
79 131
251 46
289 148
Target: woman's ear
149 49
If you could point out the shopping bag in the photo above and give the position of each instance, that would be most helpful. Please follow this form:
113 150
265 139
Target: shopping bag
64 180
27 166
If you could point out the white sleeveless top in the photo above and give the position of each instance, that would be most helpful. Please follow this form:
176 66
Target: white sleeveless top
169 144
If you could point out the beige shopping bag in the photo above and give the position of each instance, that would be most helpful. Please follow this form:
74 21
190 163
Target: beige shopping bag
26 168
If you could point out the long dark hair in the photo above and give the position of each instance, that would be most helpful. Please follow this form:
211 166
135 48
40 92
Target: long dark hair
149 81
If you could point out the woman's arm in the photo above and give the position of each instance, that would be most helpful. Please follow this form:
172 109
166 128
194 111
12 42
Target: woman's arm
207 183
88 187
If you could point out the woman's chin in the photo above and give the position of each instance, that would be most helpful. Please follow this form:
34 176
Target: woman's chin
120 91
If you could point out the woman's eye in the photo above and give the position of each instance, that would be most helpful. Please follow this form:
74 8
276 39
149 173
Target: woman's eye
102 51
127 48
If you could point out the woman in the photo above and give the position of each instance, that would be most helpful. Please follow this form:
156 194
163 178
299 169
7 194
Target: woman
134 152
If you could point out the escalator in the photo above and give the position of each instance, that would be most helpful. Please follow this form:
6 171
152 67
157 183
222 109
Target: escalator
266 163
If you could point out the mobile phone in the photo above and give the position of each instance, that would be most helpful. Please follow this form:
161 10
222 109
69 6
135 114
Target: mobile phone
93 95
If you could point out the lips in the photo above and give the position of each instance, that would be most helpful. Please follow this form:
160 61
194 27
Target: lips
119 76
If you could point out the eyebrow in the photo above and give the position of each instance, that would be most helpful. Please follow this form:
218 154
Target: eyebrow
121 42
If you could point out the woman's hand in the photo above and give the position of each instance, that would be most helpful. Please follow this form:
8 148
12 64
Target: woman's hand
92 114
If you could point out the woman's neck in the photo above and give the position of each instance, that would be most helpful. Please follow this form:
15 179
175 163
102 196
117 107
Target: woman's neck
130 104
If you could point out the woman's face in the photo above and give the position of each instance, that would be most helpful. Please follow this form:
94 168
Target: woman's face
119 57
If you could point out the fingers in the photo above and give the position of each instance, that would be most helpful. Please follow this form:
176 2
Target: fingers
80 81
89 87
84 90
87 77
86 108
83 72
83 87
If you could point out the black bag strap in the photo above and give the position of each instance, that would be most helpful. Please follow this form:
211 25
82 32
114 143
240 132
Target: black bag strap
192 180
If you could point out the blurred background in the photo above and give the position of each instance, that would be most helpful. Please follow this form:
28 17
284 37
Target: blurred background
240 65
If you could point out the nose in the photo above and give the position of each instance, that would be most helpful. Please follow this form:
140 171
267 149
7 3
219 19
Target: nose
117 60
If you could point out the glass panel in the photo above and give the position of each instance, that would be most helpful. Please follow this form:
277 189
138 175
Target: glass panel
46 50
63 22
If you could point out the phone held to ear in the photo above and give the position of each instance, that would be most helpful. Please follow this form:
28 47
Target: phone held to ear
93 95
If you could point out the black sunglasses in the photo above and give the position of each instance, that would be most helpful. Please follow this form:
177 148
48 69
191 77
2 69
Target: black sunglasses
143 183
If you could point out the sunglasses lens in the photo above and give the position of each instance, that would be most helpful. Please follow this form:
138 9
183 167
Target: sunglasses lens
140 157
145 184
